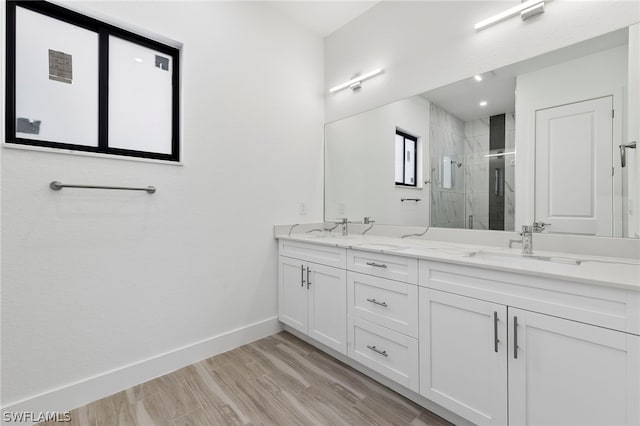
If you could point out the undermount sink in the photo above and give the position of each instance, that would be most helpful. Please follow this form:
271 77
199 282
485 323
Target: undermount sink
548 263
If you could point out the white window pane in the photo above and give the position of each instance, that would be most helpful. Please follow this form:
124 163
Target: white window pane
55 101
410 162
399 159
140 97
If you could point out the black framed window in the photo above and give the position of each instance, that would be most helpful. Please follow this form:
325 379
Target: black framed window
77 83
406 165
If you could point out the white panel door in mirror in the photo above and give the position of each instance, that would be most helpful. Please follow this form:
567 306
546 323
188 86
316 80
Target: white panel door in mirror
140 97
56 80
574 183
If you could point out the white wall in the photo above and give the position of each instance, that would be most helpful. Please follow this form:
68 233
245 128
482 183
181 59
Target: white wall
360 155
592 76
427 44
96 280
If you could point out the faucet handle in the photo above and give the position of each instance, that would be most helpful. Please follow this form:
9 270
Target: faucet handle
539 226
368 220
526 229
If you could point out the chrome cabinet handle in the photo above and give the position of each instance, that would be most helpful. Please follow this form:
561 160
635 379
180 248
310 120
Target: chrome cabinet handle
377 303
308 277
515 337
377 265
495 331
301 275
378 351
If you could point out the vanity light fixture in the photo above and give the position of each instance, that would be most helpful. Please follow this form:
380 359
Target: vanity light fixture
356 81
526 10
500 154
483 103
534 10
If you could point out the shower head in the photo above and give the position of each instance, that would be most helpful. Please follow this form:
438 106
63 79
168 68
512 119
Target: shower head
457 163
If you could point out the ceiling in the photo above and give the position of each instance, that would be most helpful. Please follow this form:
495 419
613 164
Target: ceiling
323 17
462 99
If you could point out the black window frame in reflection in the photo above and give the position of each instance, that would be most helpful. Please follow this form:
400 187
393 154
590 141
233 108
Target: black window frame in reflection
406 136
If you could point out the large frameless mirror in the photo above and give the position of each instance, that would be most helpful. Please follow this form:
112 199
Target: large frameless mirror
538 140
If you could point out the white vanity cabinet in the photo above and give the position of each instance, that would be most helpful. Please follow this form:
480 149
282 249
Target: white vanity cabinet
383 314
312 296
492 346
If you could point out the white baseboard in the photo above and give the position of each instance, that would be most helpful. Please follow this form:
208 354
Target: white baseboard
73 395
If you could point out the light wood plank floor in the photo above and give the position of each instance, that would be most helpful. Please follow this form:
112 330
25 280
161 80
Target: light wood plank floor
278 380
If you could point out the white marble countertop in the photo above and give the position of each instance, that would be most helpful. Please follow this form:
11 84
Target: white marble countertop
602 271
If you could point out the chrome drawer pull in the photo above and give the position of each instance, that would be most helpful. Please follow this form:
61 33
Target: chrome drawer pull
377 265
378 351
495 331
377 303
515 337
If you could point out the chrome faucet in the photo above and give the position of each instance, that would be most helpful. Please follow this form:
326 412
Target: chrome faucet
345 226
527 236
370 222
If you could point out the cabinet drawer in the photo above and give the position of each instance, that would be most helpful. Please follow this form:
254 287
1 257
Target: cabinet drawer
383 265
317 253
392 304
606 307
387 352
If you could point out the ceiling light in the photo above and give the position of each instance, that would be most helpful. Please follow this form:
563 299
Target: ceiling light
477 77
355 82
483 103
526 9
138 60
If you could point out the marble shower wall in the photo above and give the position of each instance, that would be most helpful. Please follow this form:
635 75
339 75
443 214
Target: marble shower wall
476 146
446 139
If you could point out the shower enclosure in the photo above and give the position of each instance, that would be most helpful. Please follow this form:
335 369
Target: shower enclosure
472 171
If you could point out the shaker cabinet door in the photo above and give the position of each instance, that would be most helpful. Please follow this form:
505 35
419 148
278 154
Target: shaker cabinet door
328 306
563 372
463 355
292 306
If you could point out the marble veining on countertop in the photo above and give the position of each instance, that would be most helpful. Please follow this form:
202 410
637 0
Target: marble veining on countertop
604 271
